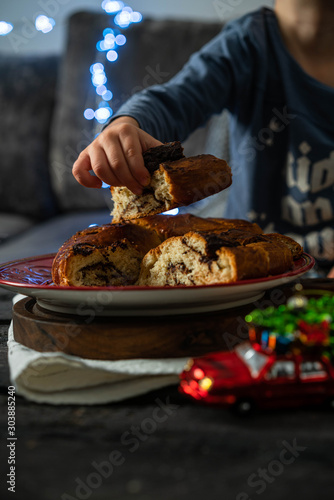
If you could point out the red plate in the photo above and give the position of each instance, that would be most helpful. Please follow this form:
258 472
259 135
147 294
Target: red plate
32 277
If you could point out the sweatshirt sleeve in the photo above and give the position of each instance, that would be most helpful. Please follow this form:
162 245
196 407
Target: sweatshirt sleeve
210 81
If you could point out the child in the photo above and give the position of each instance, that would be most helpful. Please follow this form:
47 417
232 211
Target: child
274 71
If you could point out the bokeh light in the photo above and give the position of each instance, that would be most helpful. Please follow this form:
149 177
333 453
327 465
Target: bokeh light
89 114
111 7
101 89
173 211
120 39
44 23
5 28
112 55
107 96
97 68
102 115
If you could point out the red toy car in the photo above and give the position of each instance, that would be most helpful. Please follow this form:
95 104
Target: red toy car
247 378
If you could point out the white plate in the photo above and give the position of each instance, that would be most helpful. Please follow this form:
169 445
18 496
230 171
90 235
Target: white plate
32 277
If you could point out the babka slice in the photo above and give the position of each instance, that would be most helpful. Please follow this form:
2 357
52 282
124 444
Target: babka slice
108 255
174 183
200 258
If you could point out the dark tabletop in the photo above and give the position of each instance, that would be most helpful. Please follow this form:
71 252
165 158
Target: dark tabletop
124 451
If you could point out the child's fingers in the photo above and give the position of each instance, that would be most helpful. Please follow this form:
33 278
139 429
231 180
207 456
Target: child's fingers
101 167
110 166
81 169
133 155
116 158
147 141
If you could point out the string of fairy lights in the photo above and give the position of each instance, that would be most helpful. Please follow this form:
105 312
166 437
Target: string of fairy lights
122 16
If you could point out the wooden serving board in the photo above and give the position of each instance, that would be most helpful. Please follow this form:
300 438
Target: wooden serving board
128 338
144 337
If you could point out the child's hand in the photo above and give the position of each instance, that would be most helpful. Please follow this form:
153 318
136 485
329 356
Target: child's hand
116 157
331 273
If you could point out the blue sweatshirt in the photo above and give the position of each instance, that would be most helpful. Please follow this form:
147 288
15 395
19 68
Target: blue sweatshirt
281 128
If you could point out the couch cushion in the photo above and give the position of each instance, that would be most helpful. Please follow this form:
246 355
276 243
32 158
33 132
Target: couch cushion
48 236
154 52
27 88
71 132
12 225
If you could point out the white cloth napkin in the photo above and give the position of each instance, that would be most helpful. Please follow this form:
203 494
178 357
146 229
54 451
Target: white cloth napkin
59 378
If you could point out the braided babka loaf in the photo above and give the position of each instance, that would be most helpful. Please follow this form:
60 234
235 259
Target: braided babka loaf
175 181
112 254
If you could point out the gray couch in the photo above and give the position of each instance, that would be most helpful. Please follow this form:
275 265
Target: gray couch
43 129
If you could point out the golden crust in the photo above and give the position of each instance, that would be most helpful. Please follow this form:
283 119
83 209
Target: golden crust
295 248
177 225
194 178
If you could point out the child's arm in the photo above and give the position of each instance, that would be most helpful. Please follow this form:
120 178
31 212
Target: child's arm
213 79
169 112
116 157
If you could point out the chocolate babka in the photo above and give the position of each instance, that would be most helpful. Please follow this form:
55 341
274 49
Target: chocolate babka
175 181
112 254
